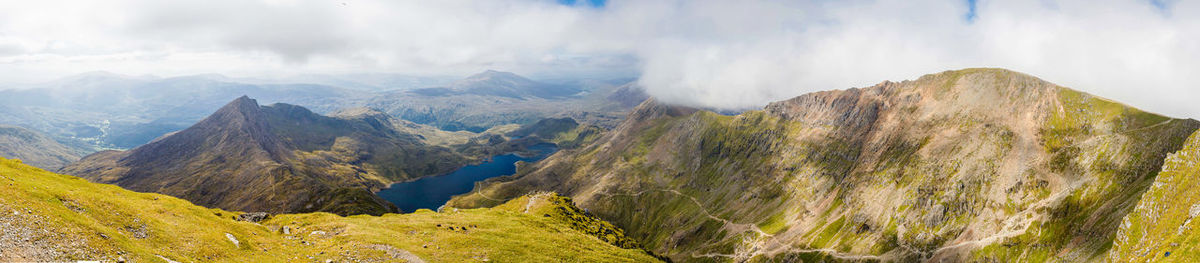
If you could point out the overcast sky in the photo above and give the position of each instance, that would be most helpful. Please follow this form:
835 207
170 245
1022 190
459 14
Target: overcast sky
727 54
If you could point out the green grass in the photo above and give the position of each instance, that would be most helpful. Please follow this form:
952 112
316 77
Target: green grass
96 221
774 224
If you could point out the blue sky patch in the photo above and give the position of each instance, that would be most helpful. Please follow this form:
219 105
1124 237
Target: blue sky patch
587 3
970 11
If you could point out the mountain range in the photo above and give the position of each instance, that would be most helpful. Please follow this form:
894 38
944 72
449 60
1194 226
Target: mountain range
275 158
966 165
972 165
111 111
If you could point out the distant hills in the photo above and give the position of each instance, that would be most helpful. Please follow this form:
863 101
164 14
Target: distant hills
108 110
507 84
36 149
968 165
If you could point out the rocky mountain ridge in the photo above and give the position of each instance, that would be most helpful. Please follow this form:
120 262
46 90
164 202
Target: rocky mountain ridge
966 165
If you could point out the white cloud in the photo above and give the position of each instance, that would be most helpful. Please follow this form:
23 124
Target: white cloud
715 53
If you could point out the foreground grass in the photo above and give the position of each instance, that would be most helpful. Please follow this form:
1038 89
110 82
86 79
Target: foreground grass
48 216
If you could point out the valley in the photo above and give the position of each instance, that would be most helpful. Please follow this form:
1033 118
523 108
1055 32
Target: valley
965 165
52 217
581 131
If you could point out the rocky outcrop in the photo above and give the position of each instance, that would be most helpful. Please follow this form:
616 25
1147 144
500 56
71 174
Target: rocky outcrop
253 217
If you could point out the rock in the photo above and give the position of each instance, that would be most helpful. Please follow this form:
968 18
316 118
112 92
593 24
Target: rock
166 259
233 240
287 230
254 217
121 259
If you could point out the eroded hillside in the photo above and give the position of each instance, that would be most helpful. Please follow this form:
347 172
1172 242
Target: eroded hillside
976 164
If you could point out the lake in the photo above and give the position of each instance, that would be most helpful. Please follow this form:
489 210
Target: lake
434 191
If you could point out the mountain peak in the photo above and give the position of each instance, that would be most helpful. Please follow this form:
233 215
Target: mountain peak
508 84
653 109
360 113
243 104
494 74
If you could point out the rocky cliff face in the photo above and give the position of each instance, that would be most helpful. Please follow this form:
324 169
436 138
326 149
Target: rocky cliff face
278 158
976 164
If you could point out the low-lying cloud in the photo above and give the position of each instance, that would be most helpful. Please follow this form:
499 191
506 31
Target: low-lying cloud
724 54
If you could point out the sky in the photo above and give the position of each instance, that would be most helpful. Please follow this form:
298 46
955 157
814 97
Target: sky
720 54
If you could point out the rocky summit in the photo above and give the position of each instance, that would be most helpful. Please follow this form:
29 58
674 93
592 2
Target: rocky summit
966 165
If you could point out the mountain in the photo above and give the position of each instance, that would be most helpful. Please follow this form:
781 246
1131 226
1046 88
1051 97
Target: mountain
51 217
111 111
966 165
628 95
494 98
36 149
507 84
276 158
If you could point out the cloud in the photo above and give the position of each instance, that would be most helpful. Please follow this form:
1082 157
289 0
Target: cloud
705 52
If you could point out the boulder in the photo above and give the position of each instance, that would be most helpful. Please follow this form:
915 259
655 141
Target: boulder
254 217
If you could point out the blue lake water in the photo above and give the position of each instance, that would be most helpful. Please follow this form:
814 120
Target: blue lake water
433 192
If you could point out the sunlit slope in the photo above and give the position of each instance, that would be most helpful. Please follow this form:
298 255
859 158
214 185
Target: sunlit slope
1161 227
966 165
50 217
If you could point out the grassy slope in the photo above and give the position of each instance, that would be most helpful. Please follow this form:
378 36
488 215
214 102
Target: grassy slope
1161 227
48 216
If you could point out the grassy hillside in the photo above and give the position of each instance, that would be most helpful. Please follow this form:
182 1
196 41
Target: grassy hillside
1160 229
36 149
50 217
967 165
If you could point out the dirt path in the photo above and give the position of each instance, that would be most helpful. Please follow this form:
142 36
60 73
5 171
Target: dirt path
728 224
1017 224
757 245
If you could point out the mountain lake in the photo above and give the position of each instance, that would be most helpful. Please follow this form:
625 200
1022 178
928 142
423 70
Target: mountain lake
434 191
